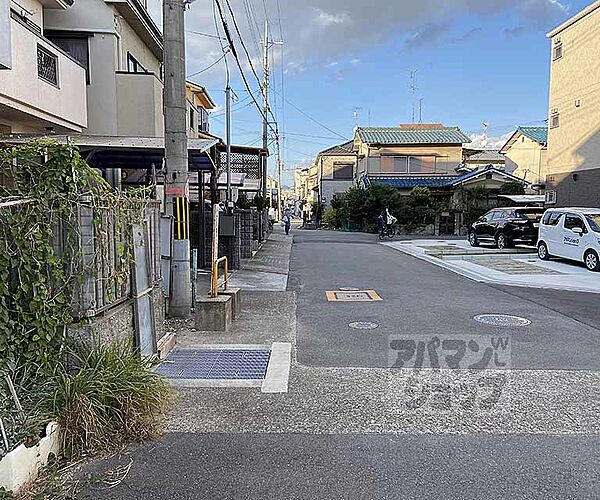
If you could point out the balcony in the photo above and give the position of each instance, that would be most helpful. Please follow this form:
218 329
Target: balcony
139 105
44 88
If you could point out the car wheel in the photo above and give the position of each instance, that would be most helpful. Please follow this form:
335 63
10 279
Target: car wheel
592 261
473 241
501 241
543 251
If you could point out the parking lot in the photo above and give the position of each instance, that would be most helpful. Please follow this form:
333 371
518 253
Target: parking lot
519 266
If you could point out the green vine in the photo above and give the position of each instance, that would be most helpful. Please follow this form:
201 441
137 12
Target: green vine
45 187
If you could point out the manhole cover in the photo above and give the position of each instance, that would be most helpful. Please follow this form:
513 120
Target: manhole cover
352 296
502 320
348 289
363 325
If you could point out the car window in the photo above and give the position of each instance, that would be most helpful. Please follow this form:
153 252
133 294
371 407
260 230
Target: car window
529 214
594 222
499 215
574 221
546 219
555 218
487 217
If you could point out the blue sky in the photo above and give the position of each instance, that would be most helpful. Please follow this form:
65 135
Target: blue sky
476 60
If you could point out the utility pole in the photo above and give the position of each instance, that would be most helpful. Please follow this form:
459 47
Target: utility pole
228 138
176 158
265 97
279 214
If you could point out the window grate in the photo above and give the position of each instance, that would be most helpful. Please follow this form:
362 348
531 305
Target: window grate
47 63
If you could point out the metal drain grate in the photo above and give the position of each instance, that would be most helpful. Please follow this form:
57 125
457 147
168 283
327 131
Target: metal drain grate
216 364
501 320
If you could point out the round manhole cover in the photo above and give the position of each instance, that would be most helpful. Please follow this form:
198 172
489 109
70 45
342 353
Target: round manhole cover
363 325
502 320
348 289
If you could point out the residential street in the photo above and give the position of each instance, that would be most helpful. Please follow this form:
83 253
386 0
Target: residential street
342 431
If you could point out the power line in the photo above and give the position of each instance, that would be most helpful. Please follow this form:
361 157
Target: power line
208 35
209 66
313 119
239 65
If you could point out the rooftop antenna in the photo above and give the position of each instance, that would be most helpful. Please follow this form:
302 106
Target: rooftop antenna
421 110
356 113
485 135
413 89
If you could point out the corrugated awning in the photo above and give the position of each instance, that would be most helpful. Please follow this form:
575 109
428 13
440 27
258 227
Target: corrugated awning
124 152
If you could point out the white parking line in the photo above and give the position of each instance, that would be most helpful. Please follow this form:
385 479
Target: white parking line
278 370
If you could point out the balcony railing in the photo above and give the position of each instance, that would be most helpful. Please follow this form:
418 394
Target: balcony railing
47 64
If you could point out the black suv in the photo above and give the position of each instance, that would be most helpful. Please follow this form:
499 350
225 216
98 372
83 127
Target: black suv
507 226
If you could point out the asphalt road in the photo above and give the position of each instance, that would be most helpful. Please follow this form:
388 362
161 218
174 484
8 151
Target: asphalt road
425 300
261 466
333 437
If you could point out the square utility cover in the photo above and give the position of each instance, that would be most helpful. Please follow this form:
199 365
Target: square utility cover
354 296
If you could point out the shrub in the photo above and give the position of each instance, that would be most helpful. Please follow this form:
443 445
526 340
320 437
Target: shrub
112 398
332 218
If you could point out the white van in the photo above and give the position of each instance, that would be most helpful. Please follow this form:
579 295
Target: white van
571 233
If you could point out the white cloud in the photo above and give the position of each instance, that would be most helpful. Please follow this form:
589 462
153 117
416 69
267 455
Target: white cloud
318 31
481 141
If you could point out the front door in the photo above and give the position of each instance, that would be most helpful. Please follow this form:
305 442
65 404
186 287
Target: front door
572 240
447 223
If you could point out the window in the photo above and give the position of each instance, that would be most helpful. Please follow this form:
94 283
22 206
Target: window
555 218
550 197
192 114
421 164
573 222
408 164
47 64
499 215
74 45
394 164
557 51
555 119
343 171
133 65
203 120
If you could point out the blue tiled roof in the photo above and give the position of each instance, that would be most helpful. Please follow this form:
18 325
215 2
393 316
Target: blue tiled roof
538 134
411 182
433 181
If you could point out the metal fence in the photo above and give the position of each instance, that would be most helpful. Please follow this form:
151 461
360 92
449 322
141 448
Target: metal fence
105 245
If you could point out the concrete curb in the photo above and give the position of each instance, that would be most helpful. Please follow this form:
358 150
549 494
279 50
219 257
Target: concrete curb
481 278
278 371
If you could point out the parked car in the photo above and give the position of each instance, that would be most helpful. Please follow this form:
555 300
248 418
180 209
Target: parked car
507 226
571 233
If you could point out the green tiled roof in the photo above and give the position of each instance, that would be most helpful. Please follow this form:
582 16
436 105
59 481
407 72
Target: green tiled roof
417 135
538 134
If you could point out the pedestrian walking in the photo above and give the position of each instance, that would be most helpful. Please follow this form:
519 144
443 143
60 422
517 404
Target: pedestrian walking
287 221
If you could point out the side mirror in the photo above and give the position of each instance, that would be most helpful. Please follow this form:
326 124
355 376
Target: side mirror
578 230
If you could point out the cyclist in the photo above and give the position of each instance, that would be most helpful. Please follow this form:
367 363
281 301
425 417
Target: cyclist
382 222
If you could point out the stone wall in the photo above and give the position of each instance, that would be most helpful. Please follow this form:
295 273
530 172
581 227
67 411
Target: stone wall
117 324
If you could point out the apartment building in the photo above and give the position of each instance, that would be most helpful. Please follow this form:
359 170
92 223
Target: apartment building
573 171
42 87
121 50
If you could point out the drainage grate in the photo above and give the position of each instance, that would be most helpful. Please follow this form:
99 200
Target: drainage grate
363 325
216 364
349 289
501 320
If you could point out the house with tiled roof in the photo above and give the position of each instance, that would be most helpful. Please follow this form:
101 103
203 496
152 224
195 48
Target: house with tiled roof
474 159
336 167
526 154
417 154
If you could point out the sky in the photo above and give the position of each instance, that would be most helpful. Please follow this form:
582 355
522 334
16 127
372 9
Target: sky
345 63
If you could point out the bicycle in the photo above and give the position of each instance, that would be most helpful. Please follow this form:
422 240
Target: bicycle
389 231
